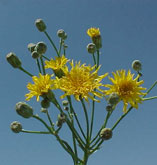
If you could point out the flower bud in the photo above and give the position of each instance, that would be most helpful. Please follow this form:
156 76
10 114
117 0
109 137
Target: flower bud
41 47
24 110
61 33
45 103
109 108
106 133
97 41
40 25
113 98
65 102
59 124
35 55
16 127
66 108
31 47
50 95
136 65
91 48
62 118
13 60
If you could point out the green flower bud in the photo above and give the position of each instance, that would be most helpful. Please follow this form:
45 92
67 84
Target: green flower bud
13 60
65 37
136 65
97 41
31 47
35 55
65 102
109 108
113 99
24 110
45 103
66 108
40 25
62 118
91 48
16 127
50 95
106 133
41 47
59 124
61 33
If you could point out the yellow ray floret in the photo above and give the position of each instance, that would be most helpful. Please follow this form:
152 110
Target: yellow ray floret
57 63
93 32
81 81
42 85
127 88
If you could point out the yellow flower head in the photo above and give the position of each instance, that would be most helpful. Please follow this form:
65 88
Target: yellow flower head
57 63
80 81
127 88
42 85
93 32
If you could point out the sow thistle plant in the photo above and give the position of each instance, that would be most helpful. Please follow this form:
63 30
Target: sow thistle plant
83 82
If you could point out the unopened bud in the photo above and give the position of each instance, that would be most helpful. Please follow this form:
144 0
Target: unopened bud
106 133
113 98
45 103
65 102
31 47
66 108
40 25
61 33
13 60
136 65
43 110
24 110
97 41
41 47
59 123
35 55
109 108
91 48
16 127
62 118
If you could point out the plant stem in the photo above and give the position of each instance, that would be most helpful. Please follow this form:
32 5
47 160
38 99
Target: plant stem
52 43
36 132
42 64
149 98
98 54
38 65
45 57
22 69
94 59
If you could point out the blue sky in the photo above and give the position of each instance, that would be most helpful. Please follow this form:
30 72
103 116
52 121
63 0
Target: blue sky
129 32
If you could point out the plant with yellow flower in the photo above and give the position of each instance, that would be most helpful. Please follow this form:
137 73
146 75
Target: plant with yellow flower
86 85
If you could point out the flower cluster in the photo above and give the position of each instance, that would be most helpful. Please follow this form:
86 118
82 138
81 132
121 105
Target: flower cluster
84 83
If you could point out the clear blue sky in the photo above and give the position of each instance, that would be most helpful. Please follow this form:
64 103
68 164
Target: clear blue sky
129 32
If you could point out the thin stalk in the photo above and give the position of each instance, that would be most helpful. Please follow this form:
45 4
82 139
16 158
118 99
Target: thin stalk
45 57
92 119
75 115
60 46
86 116
94 59
149 98
42 64
38 65
35 132
52 43
22 69
49 118
147 92
98 54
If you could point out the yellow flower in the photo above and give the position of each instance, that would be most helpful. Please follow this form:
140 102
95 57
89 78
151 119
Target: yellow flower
127 88
80 81
57 63
93 32
42 85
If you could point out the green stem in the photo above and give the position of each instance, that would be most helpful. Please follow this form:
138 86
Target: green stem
45 57
149 98
92 119
147 92
49 118
22 69
42 64
94 59
98 54
52 43
86 116
36 132
38 65
60 46
75 115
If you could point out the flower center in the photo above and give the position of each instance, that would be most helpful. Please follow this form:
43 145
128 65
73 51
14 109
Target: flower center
126 89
